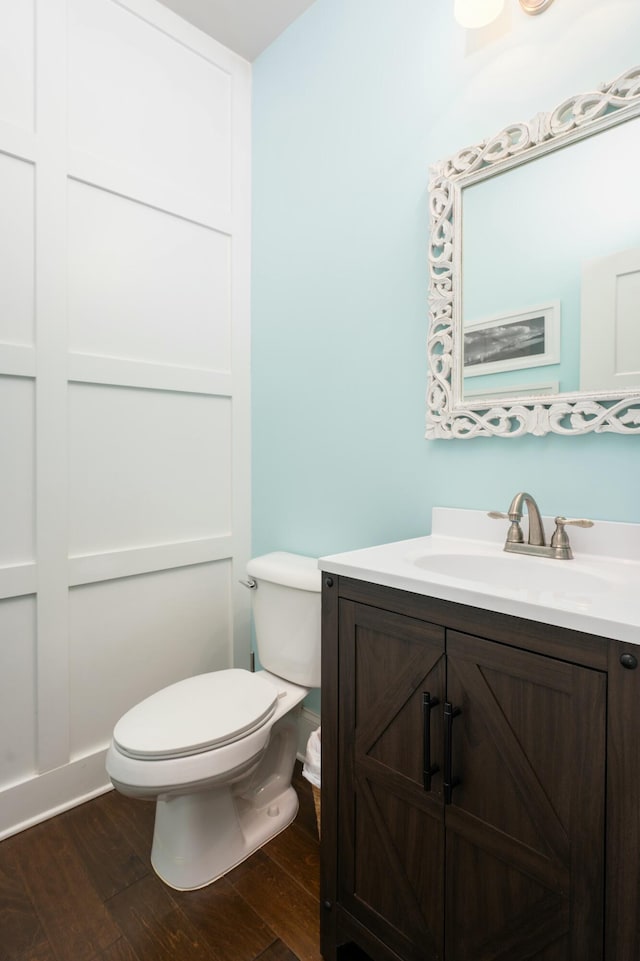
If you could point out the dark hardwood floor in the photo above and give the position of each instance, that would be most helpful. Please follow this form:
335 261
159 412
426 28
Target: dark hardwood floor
80 887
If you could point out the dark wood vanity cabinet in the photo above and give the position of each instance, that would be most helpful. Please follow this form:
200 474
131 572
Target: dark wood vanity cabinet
469 806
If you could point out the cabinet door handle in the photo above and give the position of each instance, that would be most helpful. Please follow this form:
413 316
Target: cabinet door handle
428 769
449 781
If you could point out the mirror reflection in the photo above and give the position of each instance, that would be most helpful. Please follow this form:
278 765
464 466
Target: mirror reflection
551 272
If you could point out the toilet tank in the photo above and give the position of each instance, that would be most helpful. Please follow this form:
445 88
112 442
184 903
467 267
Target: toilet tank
286 613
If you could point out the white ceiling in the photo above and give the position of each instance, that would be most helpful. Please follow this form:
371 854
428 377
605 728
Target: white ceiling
245 26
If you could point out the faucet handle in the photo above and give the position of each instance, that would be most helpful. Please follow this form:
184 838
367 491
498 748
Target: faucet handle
514 535
581 522
560 539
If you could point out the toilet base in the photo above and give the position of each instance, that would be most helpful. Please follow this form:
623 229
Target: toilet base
199 837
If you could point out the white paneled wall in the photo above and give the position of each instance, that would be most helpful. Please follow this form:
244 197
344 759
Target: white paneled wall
124 378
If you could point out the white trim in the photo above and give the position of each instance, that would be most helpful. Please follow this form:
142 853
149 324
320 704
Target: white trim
241 354
58 780
38 798
16 580
17 361
52 673
93 568
21 144
144 190
161 18
119 372
41 797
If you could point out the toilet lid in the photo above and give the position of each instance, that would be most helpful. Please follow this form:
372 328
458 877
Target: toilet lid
196 715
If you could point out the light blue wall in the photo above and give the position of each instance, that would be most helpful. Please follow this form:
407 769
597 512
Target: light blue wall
350 107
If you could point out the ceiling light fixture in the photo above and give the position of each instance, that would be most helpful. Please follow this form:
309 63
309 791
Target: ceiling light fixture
477 13
535 6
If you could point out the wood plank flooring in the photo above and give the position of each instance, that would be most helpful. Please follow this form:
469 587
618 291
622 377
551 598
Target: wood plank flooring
80 887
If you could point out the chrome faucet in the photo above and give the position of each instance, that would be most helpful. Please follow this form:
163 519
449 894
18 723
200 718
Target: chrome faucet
560 548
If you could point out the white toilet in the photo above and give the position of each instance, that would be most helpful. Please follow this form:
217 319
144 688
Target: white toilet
217 750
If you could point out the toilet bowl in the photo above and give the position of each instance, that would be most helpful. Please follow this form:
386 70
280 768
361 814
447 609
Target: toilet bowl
217 751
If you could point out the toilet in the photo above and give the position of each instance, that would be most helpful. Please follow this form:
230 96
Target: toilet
216 751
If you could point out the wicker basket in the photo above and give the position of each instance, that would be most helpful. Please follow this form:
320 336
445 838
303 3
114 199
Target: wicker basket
316 801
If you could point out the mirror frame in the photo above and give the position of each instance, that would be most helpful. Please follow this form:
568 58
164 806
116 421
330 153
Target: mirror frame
448 414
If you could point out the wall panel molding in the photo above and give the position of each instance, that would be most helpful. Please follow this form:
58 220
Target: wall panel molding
126 388
21 144
17 361
114 371
36 799
91 568
51 387
160 195
241 351
162 18
17 580
17 65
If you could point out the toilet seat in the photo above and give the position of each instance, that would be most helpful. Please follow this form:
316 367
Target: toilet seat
196 715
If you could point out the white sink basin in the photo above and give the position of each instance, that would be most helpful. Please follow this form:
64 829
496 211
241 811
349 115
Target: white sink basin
514 572
598 592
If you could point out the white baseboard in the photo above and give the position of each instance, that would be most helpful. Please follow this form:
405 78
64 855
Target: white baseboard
45 795
308 722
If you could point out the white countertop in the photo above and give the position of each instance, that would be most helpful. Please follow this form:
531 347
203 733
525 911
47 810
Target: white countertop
597 592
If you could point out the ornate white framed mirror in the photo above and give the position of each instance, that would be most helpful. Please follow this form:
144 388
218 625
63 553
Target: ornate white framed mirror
534 263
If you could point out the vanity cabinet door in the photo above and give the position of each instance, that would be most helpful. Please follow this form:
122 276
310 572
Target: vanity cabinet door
391 830
525 825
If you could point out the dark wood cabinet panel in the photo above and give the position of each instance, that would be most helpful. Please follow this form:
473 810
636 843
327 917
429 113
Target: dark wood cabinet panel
622 917
391 834
509 865
526 823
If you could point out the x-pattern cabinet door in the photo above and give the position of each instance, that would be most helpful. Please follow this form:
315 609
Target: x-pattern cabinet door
507 863
525 826
391 839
